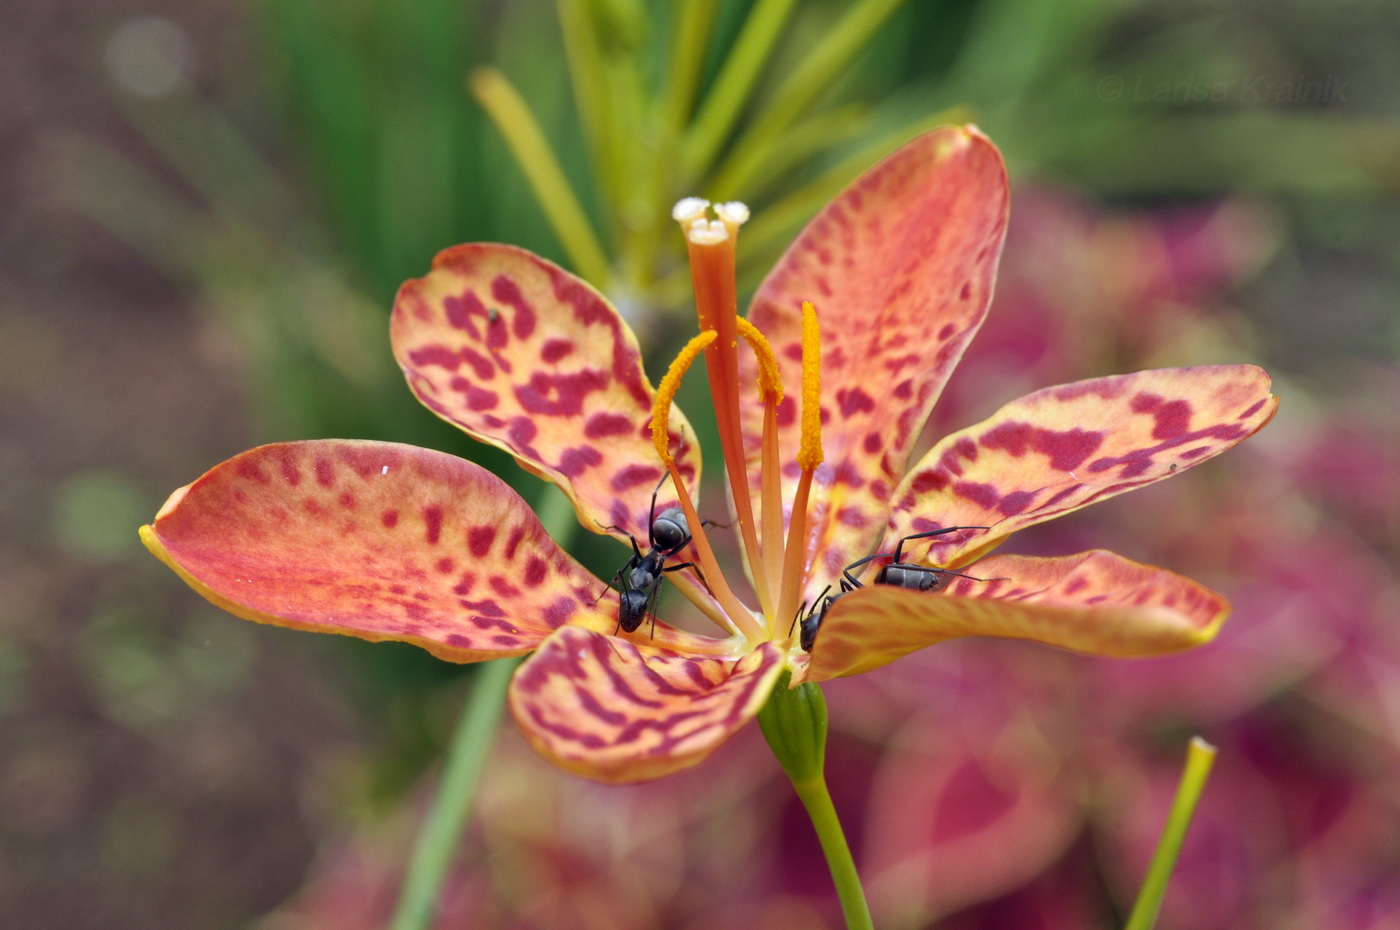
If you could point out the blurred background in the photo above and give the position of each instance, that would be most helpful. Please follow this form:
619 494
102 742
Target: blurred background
209 206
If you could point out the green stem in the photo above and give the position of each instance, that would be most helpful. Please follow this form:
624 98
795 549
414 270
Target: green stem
1199 760
731 90
822 812
467 755
793 721
527 142
816 72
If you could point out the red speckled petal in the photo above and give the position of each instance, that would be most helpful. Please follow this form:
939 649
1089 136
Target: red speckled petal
525 356
900 268
376 540
1094 602
606 709
1066 447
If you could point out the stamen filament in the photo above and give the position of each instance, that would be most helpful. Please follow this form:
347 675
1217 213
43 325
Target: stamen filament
809 456
740 617
772 515
770 391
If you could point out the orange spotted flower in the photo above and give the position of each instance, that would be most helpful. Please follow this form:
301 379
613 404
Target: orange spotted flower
386 541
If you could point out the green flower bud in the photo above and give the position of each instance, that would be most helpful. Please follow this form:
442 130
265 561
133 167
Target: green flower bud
794 723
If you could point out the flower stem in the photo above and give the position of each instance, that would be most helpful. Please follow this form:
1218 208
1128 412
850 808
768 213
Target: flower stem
794 724
1199 760
527 142
733 86
817 800
467 755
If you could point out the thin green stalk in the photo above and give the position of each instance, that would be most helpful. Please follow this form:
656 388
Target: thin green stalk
1199 760
817 70
817 799
527 143
731 90
466 759
597 110
650 217
793 721
690 38
821 132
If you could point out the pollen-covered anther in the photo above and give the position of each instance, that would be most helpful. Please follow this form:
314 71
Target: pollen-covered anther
810 454
666 393
770 384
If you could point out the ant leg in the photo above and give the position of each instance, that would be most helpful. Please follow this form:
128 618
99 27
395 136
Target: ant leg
652 597
899 549
848 578
614 527
617 580
949 571
651 515
804 606
793 625
698 572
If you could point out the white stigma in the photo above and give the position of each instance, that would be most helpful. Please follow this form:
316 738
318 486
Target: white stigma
732 213
706 232
692 212
688 209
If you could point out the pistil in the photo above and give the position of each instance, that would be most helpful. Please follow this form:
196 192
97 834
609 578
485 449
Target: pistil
710 244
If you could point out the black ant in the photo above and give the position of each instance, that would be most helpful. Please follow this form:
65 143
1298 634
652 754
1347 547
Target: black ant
900 574
638 582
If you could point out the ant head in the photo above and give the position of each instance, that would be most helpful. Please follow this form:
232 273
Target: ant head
670 530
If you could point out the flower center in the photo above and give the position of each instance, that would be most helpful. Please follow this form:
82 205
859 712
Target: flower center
776 559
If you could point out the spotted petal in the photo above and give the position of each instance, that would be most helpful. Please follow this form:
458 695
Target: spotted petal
376 540
900 268
1066 447
1095 602
523 355
606 709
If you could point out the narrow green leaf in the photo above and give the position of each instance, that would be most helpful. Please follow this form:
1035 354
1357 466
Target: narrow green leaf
818 69
556 197
1199 759
731 90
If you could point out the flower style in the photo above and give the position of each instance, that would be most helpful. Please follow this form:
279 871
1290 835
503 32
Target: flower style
386 541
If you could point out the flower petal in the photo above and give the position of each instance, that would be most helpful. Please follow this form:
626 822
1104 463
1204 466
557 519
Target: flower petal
1095 602
523 355
606 709
1066 447
900 268
376 540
